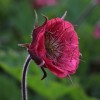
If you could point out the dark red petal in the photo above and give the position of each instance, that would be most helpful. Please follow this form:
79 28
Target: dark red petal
64 33
55 69
37 44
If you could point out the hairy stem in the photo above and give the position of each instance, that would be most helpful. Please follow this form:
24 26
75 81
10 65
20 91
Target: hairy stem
24 75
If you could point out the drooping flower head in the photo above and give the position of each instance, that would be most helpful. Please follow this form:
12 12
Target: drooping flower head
55 46
43 3
96 32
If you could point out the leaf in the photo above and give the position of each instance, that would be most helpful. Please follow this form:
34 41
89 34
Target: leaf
47 88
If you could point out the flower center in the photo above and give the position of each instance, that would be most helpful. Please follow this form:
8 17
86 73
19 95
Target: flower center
53 46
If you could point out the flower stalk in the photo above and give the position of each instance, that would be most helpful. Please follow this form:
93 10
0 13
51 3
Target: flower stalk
24 75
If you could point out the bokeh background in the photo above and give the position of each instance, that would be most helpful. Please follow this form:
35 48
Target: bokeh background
17 20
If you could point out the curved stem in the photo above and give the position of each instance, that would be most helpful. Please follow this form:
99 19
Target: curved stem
24 74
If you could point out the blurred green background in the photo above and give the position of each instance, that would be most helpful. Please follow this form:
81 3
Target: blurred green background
16 23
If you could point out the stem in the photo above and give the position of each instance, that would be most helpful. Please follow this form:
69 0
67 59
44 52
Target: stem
24 75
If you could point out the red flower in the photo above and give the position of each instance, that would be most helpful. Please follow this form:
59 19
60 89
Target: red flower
98 1
55 46
42 3
97 31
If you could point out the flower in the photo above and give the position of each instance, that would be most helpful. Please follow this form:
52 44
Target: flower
96 32
55 46
96 2
42 3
